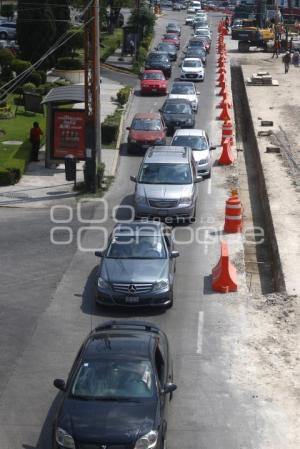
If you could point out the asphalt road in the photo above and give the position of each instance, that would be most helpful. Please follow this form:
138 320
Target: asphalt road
212 408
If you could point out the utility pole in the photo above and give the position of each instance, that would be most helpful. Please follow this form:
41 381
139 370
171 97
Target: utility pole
92 94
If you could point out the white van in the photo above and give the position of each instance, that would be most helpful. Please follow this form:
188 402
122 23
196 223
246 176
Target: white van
196 5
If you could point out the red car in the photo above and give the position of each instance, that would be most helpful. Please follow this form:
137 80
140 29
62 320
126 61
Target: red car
171 38
153 82
146 129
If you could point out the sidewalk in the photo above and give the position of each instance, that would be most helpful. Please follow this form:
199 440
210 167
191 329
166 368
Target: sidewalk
39 187
277 174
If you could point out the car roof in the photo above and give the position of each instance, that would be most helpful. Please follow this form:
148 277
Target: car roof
183 83
148 228
158 52
190 132
147 115
192 59
168 154
121 338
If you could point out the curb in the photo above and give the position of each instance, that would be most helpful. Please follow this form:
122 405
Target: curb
117 69
121 133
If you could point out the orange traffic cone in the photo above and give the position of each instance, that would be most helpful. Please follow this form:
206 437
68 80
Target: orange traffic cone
233 214
226 157
227 132
224 278
224 100
225 113
221 69
222 91
221 76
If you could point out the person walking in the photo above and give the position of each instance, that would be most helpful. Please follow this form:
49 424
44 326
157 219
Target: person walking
131 47
276 48
286 60
35 139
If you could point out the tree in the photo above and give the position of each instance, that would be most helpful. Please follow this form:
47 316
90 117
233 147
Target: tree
36 29
61 14
7 11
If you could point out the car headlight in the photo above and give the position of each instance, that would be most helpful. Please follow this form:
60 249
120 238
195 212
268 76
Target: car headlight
186 200
102 283
64 439
147 441
162 285
140 199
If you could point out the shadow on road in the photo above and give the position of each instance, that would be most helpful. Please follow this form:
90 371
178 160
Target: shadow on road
45 438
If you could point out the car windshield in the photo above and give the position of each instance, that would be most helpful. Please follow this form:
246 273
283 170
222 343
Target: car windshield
192 64
153 76
160 57
114 379
198 43
194 142
167 47
136 246
157 173
177 108
183 89
195 51
146 124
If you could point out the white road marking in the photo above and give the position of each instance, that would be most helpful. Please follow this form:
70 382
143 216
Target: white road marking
200 332
209 186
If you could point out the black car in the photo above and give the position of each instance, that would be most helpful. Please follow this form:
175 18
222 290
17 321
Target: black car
137 268
171 49
173 27
196 52
116 392
177 113
159 60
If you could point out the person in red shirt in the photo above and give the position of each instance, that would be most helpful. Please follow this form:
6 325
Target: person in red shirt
35 139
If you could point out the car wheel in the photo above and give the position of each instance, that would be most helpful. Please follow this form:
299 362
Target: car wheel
209 175
3 35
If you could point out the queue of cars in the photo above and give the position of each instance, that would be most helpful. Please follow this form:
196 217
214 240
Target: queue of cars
119 387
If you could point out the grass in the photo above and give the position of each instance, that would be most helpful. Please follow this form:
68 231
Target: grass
17 128
109 43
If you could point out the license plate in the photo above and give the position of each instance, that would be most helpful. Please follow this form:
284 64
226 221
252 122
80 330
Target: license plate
154 90
163 212
132 299
146 145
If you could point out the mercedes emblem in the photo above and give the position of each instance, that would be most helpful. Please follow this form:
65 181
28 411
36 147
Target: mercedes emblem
132 288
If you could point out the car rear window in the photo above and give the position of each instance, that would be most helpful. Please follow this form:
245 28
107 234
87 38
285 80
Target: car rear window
146 124
194 142
163 173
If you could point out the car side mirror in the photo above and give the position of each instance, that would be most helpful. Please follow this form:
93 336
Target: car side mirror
174 254
160 110
133 178
128 128
212 148
169 388
198 179
98 254
60 384
197 93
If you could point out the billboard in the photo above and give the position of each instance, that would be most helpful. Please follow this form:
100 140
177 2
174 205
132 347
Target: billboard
68 135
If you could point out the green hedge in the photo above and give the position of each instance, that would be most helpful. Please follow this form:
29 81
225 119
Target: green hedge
109 43
19 65
110 127
15 167
123 95
69 64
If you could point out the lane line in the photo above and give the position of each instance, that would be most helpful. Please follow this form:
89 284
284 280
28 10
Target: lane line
200 332
209 186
